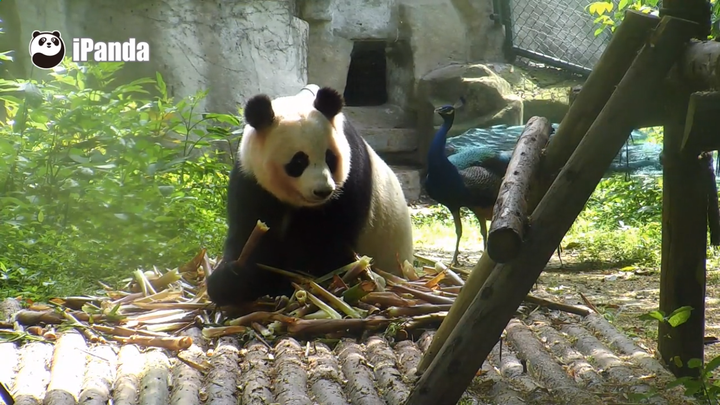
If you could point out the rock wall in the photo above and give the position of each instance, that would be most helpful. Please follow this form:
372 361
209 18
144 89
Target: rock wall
238 48
234 49
420 36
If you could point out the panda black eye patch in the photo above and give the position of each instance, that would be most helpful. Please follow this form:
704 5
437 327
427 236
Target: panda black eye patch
331 160
297 165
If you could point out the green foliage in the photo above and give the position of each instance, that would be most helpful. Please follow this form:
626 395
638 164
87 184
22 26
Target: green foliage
703 387
99 178
620 225
609 14
676 318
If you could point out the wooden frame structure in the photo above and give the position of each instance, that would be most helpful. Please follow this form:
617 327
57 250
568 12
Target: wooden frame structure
646 75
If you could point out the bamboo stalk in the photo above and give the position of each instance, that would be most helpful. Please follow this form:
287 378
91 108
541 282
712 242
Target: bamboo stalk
252 242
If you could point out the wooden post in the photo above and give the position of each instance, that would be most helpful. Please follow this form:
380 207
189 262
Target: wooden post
713 209
510 213
614 62
481 325
700 131
698 11
684 233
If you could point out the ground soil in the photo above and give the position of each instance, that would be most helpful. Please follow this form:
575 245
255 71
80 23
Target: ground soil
621 294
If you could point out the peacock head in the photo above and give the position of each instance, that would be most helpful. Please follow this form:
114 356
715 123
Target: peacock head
446 111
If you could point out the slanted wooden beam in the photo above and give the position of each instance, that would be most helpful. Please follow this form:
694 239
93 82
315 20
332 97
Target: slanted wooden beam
510 213
684 234
481 325
619 54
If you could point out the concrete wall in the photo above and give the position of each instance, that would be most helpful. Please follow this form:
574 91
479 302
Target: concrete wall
234 49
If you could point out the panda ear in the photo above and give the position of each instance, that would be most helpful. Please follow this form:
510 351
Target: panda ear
56 33
329 102
259 113
36 33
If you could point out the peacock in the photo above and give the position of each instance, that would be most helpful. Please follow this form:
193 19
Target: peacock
469 178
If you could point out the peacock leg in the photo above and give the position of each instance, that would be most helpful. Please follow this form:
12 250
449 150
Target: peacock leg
482 216
458 232
483 231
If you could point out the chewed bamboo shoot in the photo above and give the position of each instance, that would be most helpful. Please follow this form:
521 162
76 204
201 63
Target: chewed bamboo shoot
323 306
260 316
409 271
354 294
431 298
319 314
387 299
170 343
334 301
360 262
220 331
396 312
252 242
356 268
322 326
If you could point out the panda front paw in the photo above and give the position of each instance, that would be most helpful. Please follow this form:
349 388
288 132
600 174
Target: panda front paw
228 284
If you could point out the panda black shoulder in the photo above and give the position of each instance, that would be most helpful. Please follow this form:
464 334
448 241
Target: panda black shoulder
358 147
355 199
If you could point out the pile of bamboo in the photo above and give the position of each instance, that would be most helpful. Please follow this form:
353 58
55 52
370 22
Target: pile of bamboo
153 307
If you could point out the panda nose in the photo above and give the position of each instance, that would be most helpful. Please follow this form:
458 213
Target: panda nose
323 192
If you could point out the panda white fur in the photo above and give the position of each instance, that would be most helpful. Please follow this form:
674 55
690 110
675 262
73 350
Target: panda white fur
303 169
47 49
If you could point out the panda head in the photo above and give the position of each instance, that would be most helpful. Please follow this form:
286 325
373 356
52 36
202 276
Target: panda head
47 49
295 146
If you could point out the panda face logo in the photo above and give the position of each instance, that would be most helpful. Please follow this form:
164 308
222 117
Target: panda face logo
47 49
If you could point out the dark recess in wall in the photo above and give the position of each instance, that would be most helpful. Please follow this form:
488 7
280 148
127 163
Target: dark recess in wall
367 75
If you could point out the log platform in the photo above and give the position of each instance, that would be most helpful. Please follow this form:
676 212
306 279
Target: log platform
547 357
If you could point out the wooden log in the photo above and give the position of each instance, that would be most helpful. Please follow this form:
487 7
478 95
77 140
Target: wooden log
544 368
481 325
713 208
700 67
684 239
556 305
700 126
627 40
510 213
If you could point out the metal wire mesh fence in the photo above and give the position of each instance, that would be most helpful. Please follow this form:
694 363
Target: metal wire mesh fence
558 33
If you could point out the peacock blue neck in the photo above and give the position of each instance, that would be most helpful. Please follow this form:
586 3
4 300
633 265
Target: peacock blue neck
436 154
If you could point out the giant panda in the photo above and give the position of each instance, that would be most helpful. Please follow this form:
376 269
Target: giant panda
324 193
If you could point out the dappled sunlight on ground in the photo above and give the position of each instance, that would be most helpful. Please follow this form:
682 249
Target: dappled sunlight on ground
623 295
